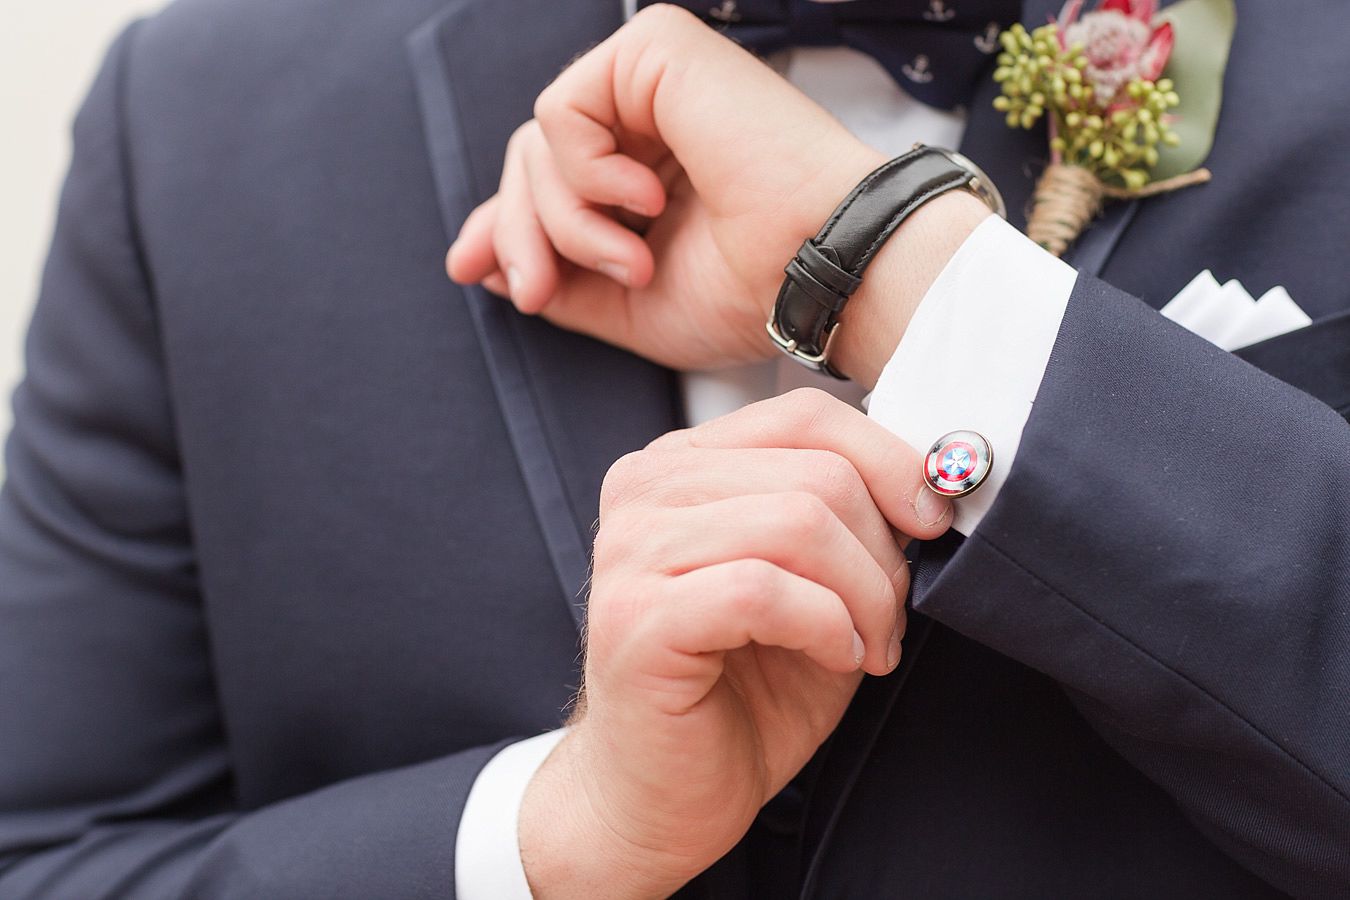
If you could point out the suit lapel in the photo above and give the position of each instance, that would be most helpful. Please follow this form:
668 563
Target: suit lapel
570 404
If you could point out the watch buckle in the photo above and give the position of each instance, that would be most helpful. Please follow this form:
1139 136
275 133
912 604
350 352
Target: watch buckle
816 362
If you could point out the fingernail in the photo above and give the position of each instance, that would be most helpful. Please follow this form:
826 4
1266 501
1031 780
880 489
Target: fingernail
636 208
514 280
613 270
858 650
893 651
930 508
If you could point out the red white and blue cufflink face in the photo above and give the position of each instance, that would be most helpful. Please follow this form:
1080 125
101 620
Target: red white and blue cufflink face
957 463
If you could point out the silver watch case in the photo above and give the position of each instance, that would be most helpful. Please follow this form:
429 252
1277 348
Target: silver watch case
981 185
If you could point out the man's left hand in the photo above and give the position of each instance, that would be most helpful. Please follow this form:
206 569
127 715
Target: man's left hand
667 178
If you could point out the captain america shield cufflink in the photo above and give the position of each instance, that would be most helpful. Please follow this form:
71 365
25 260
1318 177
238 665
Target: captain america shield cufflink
957 463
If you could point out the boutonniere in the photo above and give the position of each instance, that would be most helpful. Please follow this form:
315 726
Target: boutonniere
1131 97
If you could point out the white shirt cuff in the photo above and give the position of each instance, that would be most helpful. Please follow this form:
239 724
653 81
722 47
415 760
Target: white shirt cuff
487 848
975 352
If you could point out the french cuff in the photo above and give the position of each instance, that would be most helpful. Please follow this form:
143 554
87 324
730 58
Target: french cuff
974 354
487 847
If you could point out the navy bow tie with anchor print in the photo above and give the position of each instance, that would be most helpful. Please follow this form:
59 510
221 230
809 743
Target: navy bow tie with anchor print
937 50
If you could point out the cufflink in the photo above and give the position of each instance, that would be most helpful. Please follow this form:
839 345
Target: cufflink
957 463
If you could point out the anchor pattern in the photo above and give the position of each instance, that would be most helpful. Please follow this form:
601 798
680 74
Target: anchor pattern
917 71
726 12
938 11
937 50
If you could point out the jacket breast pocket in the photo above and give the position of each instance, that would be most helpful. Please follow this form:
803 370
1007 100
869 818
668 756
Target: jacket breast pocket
1315 359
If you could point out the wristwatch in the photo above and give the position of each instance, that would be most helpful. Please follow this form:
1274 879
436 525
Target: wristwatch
829 267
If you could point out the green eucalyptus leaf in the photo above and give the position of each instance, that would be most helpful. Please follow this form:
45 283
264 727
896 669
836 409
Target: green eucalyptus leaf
1204 31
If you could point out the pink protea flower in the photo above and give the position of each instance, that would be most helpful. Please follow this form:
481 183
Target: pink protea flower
1120 41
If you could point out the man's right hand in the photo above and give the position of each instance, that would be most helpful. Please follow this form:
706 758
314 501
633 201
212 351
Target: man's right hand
746 572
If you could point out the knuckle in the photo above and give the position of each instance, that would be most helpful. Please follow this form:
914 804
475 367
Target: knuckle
751 585
516 138
809 406
626 478
672 440
549 104
567 238
835 619
660 16
803 515
837 479
530 139
520 138
612 613
610 541
641 474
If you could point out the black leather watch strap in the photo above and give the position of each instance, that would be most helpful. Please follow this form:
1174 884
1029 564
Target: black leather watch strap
829 267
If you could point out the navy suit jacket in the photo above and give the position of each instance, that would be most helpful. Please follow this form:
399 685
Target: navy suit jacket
295 532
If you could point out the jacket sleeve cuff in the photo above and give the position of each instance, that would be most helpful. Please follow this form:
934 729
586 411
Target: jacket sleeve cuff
976 350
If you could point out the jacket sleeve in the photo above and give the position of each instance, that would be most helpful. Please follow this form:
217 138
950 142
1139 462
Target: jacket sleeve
114 771
1173 545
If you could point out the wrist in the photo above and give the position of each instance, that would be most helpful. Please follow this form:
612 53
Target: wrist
875 319
571 847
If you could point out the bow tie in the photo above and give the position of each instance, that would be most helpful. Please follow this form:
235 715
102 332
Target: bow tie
937 50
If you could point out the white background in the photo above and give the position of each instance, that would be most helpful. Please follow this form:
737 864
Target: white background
49 52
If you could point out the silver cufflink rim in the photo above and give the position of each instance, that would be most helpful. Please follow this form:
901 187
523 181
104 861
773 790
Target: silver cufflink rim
965 481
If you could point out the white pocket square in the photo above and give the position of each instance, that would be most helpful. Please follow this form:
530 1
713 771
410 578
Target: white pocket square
1226 315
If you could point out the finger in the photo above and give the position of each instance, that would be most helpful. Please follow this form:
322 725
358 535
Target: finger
797 532
471 258
640 82
523 251
580 124
692 476
729 605
579 231
496 282
811 419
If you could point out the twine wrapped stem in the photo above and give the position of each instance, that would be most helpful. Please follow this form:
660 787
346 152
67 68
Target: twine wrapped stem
1068 197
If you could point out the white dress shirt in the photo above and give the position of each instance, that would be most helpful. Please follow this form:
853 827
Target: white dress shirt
991 316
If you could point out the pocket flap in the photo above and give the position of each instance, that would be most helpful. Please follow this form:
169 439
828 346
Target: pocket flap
1315 359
